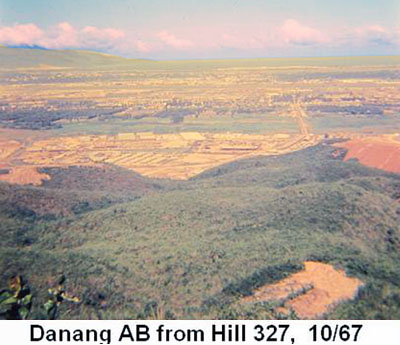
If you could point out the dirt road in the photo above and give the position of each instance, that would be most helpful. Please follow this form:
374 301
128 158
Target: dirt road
301 115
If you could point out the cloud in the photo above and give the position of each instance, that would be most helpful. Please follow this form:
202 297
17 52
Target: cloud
293 32
92 36
240 41
375 34
269 38
20 34
173 41
287 38
108 33
62 35
143 47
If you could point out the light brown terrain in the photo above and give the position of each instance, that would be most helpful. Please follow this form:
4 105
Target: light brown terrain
12 142
382 152
176 156
225 98
24 175
311 292
7 148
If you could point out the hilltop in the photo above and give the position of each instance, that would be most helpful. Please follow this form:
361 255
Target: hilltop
192 249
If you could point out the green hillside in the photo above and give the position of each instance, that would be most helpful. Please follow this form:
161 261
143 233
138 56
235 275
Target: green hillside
190 249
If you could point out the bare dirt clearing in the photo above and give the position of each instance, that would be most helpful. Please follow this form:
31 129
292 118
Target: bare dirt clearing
12 143
311 292
382 152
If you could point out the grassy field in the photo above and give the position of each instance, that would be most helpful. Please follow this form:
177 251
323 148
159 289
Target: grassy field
324 123
254 123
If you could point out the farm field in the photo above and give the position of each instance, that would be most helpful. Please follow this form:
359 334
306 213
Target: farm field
210 189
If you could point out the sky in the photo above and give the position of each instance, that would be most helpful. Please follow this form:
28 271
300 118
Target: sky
188 29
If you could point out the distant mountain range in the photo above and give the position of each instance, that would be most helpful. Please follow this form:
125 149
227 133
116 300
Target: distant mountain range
28 57
34 57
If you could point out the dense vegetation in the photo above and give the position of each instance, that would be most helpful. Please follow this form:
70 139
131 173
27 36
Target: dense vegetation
133 247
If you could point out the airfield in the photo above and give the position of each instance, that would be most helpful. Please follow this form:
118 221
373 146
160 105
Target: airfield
165 119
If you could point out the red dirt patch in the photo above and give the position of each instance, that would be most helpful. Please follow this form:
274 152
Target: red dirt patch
382 152
311 292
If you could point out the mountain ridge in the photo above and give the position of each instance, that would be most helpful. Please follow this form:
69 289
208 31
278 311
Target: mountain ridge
34 57
11 58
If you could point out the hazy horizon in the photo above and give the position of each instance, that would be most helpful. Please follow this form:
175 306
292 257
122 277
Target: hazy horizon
203 58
